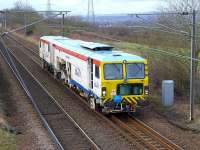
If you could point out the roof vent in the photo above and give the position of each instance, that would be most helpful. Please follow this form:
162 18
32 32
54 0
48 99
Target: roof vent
117 55
96 46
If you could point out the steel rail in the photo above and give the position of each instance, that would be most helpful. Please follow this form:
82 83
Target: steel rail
61 108
21 81
154 133
20 43
146 135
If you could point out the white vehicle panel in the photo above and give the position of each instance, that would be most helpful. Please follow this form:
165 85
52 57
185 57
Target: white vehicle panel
96 82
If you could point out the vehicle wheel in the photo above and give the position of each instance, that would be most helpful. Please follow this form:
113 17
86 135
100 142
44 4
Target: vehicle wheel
55 75
92 103
44 65
59 75
98 108
70 85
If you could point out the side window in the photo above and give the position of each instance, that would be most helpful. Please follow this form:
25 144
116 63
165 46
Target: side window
48 48
40 44
97 71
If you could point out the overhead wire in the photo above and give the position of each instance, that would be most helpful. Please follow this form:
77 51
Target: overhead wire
28 25
145 27
156 50
173 54
162 25
177 32
158 29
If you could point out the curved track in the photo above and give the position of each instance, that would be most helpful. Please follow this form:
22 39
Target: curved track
145 135
62 128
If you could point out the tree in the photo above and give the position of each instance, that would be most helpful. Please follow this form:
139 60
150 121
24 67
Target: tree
17 18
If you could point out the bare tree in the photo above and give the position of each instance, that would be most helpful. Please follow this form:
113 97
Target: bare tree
19 5
21 14
183 5
182 22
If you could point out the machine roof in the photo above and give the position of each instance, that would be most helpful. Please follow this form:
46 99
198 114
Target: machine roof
84 48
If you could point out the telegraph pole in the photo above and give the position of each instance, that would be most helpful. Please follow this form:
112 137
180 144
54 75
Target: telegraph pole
25 23
192 65
5 23
63 24
25 17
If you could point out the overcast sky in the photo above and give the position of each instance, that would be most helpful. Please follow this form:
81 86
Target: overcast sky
101 6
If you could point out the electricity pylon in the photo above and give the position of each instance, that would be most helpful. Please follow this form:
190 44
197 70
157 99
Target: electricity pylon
91 15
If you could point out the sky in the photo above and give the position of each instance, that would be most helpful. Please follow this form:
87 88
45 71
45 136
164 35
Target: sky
79 7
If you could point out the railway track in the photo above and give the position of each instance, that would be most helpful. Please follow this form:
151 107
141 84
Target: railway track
135 128
145 134
98 127
62 128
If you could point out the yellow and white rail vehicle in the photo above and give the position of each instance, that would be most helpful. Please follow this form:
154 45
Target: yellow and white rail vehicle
111 80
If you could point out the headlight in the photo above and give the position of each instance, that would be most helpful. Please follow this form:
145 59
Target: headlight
103 91
146 90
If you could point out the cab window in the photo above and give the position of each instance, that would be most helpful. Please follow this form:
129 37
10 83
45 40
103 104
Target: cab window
113 71
135 71
97 71
48 48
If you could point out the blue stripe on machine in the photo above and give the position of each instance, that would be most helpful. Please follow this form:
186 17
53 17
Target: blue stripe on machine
73 82
89 92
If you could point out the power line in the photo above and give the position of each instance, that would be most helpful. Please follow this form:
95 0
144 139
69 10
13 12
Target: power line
35 11
153 50
31 24
173 54
157 29
177 32
162 25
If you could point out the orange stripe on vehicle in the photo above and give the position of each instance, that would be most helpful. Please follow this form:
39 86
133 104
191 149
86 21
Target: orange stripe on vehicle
96 62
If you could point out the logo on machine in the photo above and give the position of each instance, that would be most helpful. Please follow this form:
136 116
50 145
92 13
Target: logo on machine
67 57
96 84
78 72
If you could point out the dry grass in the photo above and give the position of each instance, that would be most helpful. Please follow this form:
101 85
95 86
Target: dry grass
7 141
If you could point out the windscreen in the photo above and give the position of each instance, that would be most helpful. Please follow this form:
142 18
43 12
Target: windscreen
113 71
135 70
